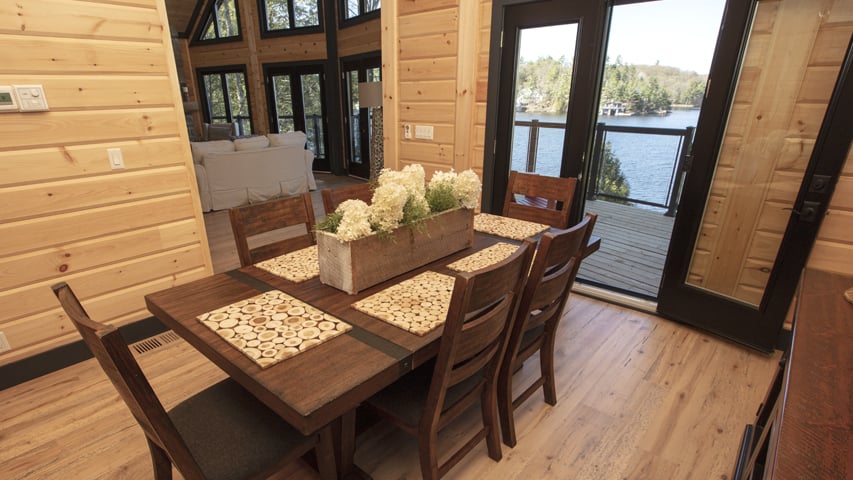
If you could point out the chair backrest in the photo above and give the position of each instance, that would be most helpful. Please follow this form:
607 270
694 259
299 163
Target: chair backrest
551 277
539 198
112 353
334 197
260 218
482 307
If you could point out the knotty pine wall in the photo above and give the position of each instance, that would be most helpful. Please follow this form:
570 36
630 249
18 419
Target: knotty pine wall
109 77
795 52
253 52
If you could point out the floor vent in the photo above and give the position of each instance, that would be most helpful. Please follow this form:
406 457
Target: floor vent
154 342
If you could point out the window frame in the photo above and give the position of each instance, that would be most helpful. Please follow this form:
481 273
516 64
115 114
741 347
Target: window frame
265 32
362 17
222 71
210 12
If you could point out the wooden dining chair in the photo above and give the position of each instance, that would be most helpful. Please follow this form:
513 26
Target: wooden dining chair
539 198
222 432
334 197
254 223
539 311
472 344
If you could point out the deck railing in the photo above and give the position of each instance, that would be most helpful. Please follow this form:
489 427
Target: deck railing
680 162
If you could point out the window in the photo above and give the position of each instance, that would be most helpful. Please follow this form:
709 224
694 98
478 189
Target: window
222 22
283 16
358 120
295 97
226 99
355 8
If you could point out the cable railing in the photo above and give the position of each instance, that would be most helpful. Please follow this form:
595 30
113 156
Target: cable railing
671 163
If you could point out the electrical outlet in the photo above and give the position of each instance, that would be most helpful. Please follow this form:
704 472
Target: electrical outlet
4 343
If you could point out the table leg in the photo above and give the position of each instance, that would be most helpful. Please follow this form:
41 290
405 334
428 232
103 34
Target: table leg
345 449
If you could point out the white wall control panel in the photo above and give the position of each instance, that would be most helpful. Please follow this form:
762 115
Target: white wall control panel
31 98
423 131
116 159
8 100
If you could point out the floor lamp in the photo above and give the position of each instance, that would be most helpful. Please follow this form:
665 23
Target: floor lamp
370 97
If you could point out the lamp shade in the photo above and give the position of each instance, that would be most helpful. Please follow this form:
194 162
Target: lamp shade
369 94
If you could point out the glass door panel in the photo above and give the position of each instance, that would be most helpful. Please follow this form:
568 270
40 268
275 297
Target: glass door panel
542 91
359 121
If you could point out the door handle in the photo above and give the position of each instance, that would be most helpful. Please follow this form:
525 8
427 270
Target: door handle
808 212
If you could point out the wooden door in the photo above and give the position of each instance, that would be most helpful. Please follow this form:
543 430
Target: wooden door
761 179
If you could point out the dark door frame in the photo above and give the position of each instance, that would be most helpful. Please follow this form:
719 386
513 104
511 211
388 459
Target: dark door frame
361 62
592 19
761 327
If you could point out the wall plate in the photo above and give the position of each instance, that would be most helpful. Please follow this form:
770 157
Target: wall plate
31 98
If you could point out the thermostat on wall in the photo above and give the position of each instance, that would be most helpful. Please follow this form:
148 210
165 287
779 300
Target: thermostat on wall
31 98
8 102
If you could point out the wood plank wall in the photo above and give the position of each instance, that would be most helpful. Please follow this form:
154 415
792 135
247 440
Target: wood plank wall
108 72
793 58
438 71
254 52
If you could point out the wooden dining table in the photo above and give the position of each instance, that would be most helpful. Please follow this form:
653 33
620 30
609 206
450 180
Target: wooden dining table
323 384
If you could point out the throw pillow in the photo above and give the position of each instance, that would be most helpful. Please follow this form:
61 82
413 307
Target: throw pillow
218 131
200 149
296 138
251 143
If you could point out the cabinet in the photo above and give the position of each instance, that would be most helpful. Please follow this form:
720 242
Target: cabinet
804 428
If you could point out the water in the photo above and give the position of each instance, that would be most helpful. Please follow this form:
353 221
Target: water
646 160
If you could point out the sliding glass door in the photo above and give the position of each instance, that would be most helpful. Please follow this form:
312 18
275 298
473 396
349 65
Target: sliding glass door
356 118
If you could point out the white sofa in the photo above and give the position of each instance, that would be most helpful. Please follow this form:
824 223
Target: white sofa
253 169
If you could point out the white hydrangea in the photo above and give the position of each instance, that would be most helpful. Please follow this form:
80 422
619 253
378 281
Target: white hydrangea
386 209
411 177
467 187
355 220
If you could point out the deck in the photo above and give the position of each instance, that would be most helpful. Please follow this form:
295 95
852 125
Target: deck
634 242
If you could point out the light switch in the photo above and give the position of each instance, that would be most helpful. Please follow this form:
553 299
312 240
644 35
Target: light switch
31 98
407 131
116 160
423 131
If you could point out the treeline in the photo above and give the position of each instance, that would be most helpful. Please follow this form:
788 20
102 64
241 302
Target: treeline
543 86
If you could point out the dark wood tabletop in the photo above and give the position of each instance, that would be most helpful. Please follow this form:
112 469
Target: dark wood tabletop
815 433
320 385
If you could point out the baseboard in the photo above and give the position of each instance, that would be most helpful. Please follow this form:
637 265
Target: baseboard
58 358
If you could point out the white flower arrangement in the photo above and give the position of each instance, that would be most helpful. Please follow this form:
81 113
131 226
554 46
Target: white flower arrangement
401 198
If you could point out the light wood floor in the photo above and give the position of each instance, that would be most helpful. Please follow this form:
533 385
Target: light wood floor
639 398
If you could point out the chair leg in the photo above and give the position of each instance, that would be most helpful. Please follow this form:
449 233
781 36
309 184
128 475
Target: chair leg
326 455
546 361
428 453
505 409
490 421
161 462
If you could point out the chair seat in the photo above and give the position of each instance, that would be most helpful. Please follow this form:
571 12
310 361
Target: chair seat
245 437
406 399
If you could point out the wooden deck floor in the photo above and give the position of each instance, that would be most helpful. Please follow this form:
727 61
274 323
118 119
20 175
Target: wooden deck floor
634 242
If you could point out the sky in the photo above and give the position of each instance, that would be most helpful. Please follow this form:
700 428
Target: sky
677 33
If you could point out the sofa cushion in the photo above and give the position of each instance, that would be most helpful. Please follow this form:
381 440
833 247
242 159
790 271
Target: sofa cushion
200 149
296 138
251 143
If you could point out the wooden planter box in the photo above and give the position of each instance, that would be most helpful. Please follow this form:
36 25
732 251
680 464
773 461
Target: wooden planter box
360 264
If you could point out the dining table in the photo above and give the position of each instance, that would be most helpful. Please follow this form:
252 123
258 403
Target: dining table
325 384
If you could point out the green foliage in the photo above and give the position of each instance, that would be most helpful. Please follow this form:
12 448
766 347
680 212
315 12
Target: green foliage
611 180
543 84
441 198
414 212
330 222
650 88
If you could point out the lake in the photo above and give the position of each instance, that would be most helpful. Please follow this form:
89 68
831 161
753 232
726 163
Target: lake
646 160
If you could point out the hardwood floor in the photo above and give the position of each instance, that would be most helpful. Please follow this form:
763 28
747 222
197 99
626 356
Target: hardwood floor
639 398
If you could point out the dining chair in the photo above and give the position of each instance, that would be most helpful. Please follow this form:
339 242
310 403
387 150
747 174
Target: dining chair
222 432
471 347
539 198
334 197
540 308
254 223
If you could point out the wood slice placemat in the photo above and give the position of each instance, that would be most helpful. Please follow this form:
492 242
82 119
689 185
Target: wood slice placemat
484 258
507 227
297 266
417 305
273 326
